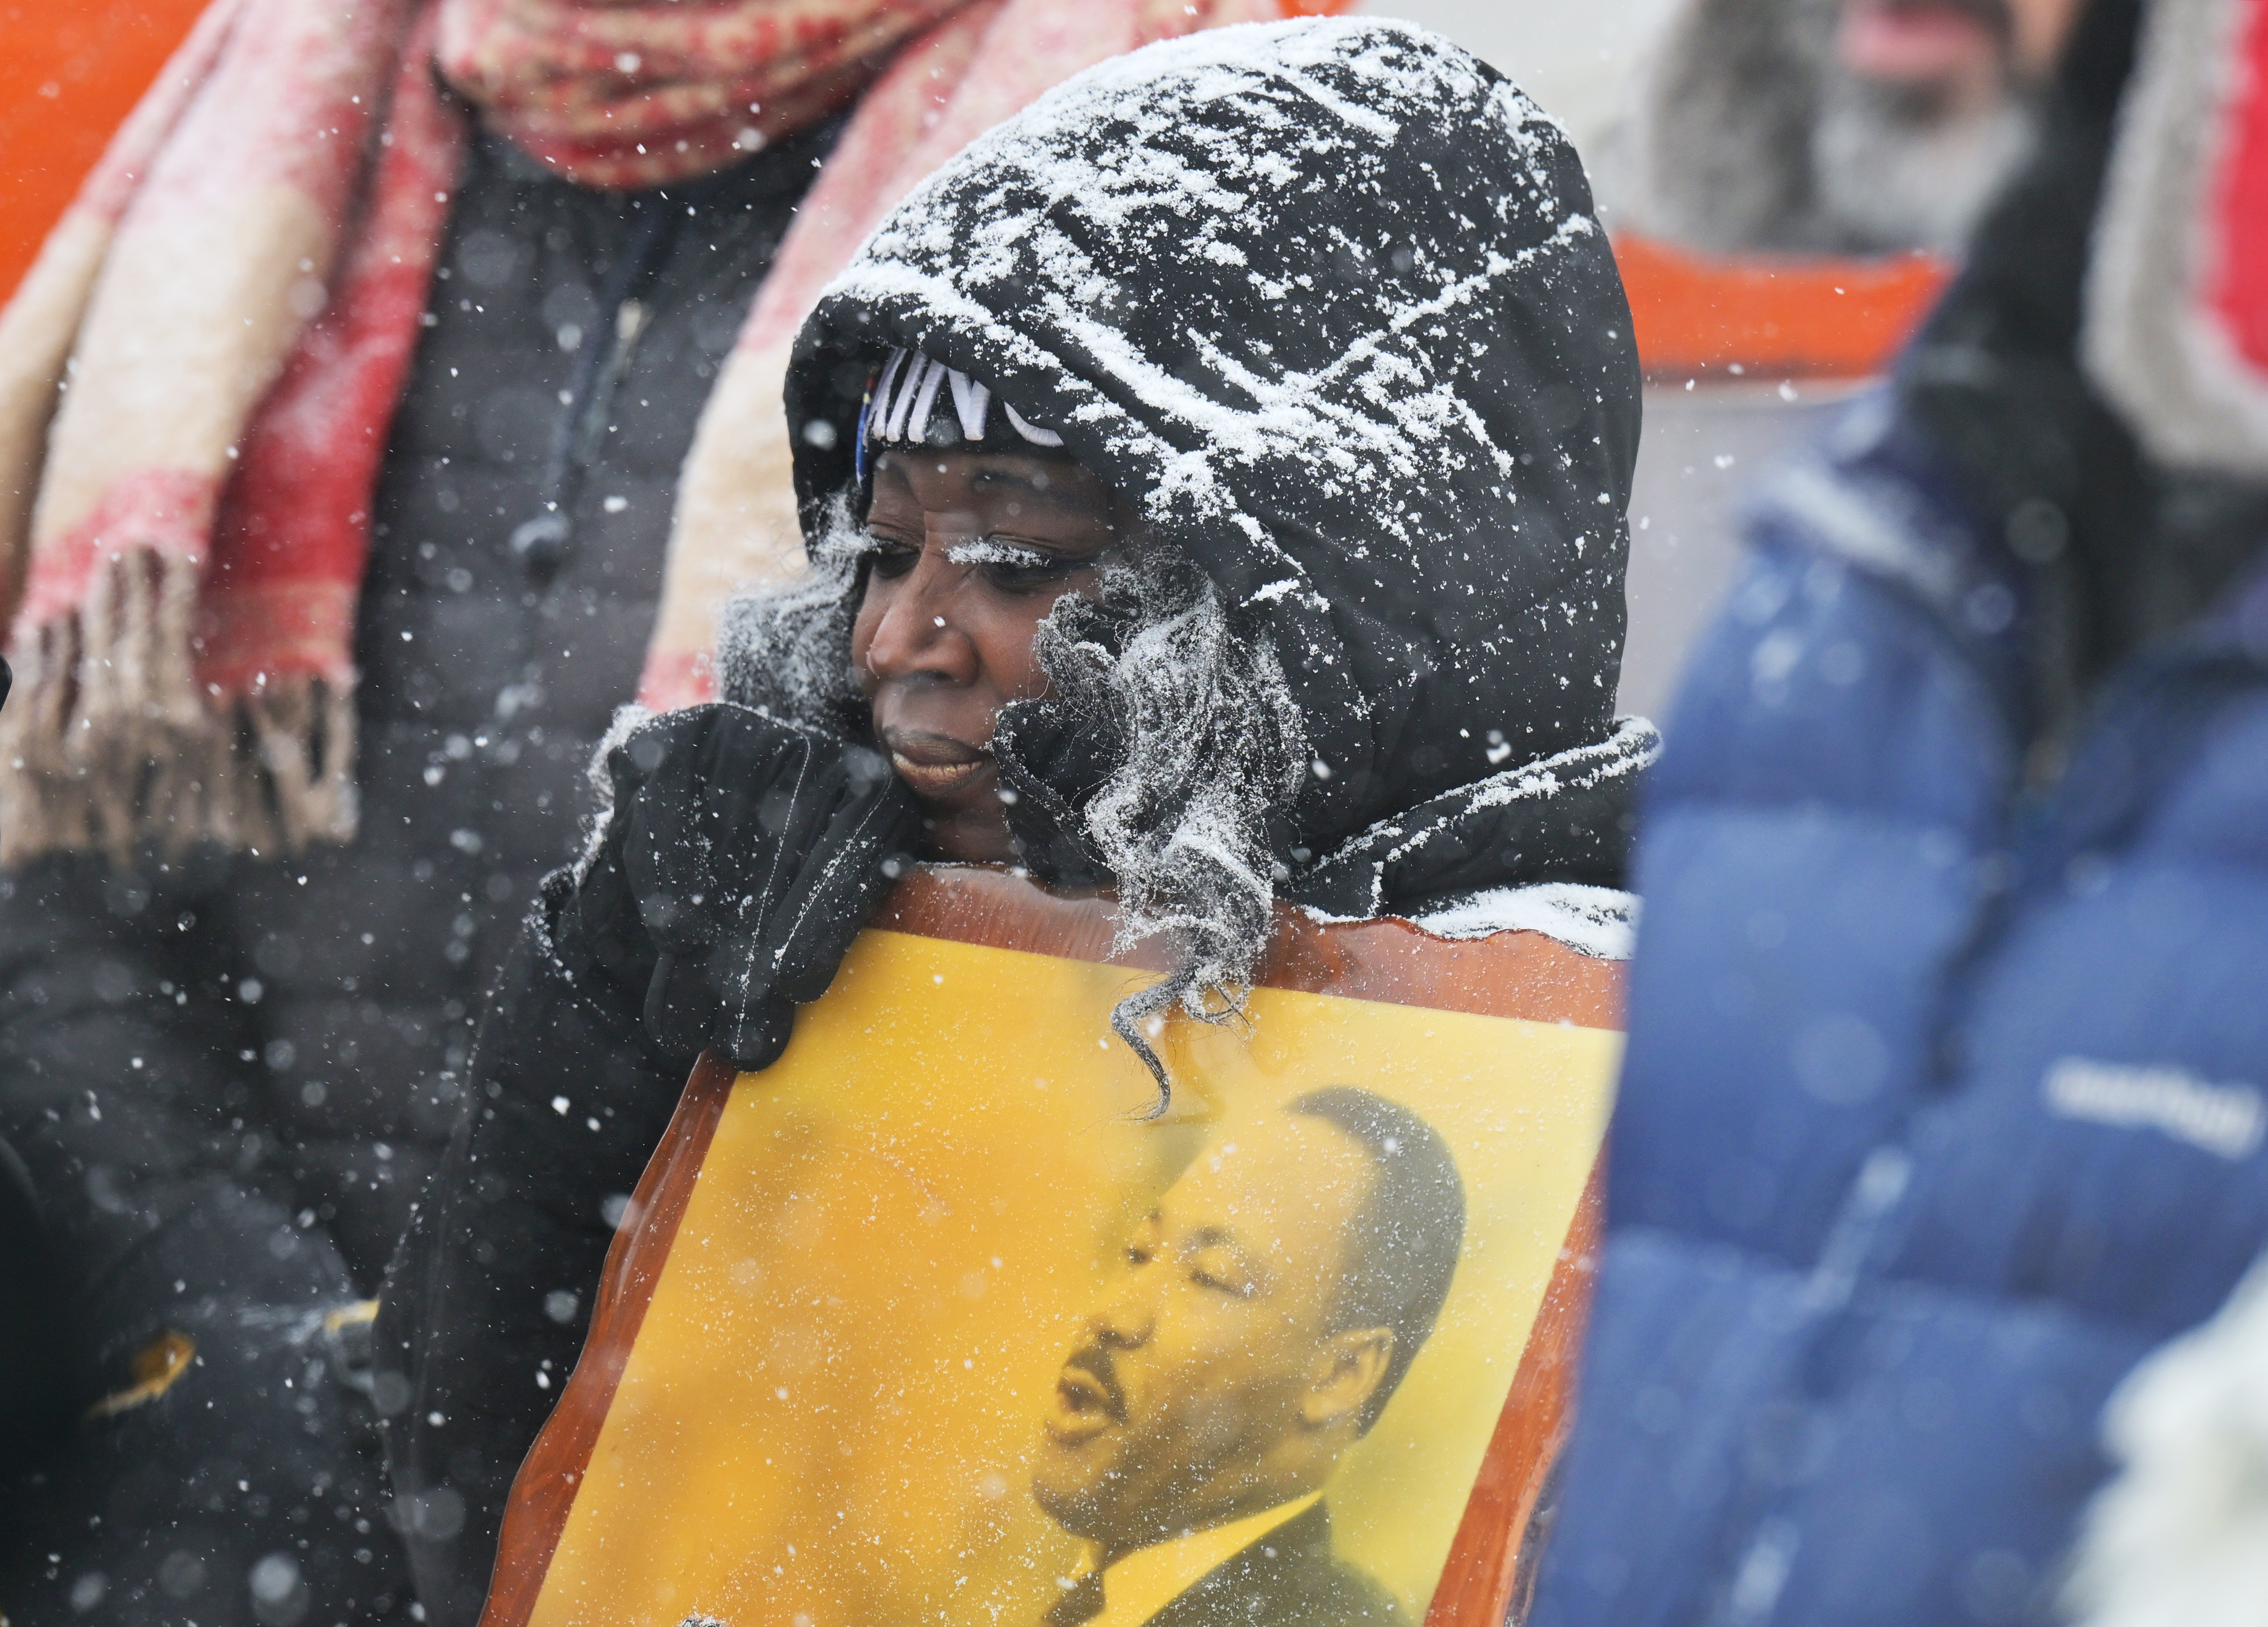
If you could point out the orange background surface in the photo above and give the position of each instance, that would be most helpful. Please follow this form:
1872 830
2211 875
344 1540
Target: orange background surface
71 70
1779 317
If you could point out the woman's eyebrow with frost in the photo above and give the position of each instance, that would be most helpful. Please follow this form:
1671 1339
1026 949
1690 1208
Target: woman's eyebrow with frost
994 551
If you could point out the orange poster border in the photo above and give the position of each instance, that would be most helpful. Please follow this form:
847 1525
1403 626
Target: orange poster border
1519 974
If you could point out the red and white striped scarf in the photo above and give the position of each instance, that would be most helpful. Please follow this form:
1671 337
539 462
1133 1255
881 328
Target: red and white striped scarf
619 93
197 376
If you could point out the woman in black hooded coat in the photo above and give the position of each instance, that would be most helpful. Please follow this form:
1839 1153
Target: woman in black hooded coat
1215 482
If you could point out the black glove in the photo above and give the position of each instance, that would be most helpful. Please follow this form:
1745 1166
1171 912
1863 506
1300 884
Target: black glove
1055 754
1053 757
742 857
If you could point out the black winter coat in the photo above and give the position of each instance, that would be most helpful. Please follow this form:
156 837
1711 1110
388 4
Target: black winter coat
228 1078
1350 330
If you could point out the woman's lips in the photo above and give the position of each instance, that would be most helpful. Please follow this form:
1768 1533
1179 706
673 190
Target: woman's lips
934 765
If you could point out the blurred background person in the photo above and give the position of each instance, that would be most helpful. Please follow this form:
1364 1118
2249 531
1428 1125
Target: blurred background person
1831 126
1946 1098
403 382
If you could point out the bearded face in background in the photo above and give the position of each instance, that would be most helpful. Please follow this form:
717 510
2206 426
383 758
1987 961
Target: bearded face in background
1834 126
1923 109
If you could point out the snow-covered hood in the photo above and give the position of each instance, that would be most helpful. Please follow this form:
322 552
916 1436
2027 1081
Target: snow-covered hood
1328 296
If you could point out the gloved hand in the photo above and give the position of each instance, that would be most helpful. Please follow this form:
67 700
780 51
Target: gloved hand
1054 755
747 853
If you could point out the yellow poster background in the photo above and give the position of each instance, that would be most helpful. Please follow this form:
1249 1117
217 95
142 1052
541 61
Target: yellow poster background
831 1409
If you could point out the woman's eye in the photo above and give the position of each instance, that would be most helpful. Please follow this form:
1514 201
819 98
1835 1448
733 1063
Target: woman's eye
889 557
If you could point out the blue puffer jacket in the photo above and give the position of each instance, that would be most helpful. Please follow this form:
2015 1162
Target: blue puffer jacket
1944 1097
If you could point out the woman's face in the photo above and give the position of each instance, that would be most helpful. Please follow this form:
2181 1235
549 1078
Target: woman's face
971 551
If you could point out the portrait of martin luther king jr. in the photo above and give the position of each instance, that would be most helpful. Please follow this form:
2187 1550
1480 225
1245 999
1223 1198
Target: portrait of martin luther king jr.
1270 1305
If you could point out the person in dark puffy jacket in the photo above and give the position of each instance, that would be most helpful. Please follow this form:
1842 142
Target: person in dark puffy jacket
1216 478
1944 1101
304 1023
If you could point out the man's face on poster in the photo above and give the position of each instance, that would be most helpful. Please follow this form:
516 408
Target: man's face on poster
1215 1382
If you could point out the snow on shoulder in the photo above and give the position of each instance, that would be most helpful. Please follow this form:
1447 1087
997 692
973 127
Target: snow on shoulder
1601 922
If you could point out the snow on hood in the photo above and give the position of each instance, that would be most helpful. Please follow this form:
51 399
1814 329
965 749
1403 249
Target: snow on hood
1326 300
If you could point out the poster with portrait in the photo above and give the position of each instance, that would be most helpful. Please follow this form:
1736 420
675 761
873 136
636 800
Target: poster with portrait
936 1321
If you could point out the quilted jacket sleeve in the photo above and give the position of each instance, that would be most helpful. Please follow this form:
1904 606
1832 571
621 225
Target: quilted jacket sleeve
486 1305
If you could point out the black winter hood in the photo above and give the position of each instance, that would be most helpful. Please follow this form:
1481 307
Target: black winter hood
1326 301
